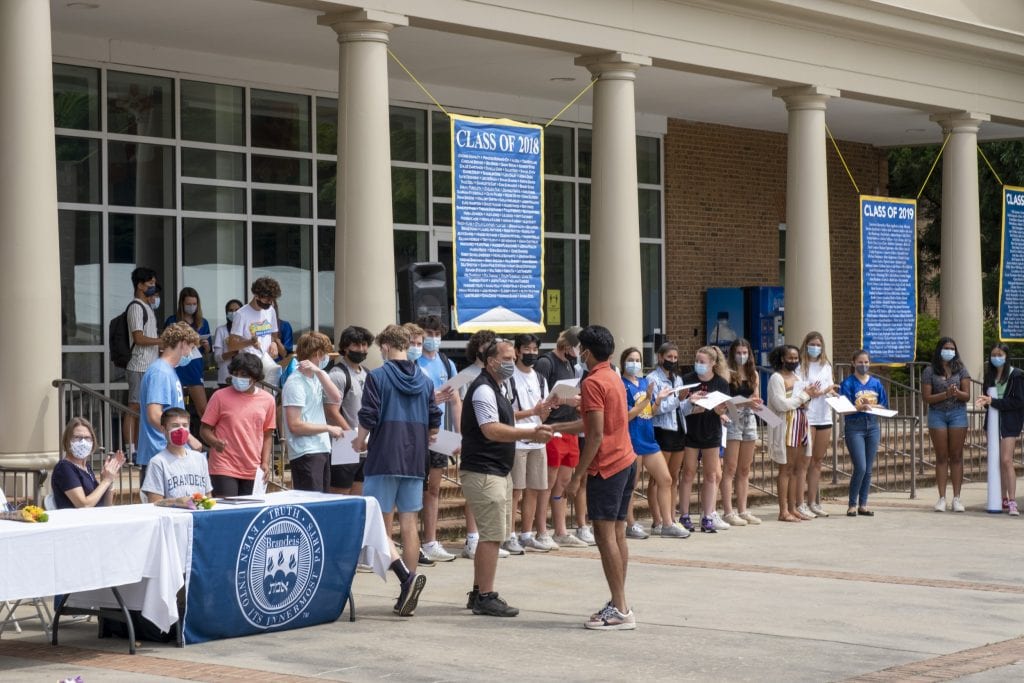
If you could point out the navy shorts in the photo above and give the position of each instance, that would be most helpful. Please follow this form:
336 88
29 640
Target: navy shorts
608 499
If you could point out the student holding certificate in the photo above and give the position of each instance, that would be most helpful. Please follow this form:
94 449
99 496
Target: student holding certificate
861 431
815 368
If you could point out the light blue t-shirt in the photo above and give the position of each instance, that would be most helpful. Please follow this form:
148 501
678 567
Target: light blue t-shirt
159 385
438 374
308 394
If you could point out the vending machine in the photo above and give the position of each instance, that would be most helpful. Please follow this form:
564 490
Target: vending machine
724 316
765 308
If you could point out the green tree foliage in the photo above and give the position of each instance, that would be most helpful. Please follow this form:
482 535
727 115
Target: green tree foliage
908 168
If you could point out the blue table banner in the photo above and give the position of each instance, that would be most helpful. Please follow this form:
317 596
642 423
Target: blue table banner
1011 267
274 568
888 257
498 226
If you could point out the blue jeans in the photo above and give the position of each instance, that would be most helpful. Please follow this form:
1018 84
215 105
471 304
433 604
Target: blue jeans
862 436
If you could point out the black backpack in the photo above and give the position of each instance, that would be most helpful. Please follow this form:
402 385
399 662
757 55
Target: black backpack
119 337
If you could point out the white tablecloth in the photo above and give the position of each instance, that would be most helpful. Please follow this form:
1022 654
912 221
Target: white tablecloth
143 549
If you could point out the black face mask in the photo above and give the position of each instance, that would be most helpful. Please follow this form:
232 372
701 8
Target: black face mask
791 365
670 365
529 359
356 357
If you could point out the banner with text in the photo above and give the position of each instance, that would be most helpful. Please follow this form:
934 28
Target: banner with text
497 192
888 258
1011 267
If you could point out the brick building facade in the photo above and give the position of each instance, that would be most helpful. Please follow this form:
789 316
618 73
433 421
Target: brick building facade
725 196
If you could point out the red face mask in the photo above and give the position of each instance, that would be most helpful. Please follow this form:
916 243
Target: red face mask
179 437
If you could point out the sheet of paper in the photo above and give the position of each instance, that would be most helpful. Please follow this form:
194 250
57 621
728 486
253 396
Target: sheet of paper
259 483
686 387
841 405
713 399
447 442
882 412
342 452
767 416
461 379
566 388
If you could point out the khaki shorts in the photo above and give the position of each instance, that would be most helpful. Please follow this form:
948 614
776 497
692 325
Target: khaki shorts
490 499
530 470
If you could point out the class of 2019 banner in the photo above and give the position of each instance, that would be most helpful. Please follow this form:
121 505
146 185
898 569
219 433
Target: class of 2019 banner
1011 267
888 256
497 192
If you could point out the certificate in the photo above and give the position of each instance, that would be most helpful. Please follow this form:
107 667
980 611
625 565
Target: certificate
882 412
566 388
685 387
766 415
342 452
712 400
446 442
841 405
461 379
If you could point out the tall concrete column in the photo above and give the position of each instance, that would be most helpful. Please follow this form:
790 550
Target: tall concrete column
960 308
808 255
615 301
364 282
29 262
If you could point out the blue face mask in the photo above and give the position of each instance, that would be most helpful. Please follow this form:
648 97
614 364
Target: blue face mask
997 361
241 383
947 354
813 351
633 368
414 353
185 360
324 362
431 344
700 368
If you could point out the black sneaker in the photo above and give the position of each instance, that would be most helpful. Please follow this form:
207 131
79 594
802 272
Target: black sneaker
425 561
410 595
491 605
472 596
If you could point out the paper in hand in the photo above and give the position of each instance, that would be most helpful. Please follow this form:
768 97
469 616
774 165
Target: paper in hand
711 400
342 452
446 442
566 388
461 379
259 483
841 405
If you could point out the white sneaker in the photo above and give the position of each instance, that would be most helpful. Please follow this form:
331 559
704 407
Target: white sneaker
636 530
586 534
512 546
750 518
546 541
469 550
531 544
436 552
733 519
958 506
940 506
806 511
502 553
655 529
818 510
717 522
569 541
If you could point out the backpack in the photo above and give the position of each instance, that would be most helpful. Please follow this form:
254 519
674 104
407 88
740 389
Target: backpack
119 337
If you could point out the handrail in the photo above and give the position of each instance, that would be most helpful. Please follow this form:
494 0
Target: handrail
94 394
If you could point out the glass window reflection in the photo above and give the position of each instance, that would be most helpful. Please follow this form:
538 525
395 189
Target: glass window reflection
81 277
211 112
140 104
285 252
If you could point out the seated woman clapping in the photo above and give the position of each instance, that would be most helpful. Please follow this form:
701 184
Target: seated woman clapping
73 482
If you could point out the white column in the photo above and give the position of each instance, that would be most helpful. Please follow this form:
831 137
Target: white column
615 301
364 282
808 256
960 308
29 262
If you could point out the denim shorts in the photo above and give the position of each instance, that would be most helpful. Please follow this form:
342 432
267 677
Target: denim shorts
743 428
955 418
404 493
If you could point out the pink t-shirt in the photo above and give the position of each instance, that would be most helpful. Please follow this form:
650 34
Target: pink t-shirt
239 420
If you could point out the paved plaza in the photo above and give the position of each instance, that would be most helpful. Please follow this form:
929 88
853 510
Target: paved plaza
909 595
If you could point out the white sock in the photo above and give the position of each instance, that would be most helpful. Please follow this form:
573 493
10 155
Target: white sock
473 536
526 535
430 544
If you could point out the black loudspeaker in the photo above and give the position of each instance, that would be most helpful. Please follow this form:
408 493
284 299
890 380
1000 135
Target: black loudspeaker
423 290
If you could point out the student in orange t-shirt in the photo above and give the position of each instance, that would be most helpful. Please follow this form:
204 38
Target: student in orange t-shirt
609 462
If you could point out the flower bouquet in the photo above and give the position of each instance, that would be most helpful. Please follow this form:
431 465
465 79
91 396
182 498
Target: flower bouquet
197 501
29 513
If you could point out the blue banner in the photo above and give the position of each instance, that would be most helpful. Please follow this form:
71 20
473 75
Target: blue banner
1011 269
270 569
888 257
497 192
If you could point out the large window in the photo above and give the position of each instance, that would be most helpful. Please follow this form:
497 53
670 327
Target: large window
214 184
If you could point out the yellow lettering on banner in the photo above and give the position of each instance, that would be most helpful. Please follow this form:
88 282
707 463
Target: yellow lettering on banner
554 307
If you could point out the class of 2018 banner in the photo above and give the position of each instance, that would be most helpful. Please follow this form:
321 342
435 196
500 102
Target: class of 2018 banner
1011 267
888 256
498 229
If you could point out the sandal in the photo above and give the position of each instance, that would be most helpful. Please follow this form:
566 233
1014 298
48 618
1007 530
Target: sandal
863 512
852 512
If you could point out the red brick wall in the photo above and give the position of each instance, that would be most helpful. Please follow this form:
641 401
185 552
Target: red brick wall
725 195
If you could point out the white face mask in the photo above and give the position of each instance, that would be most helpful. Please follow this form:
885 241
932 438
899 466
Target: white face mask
81 449
742 358
190 309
